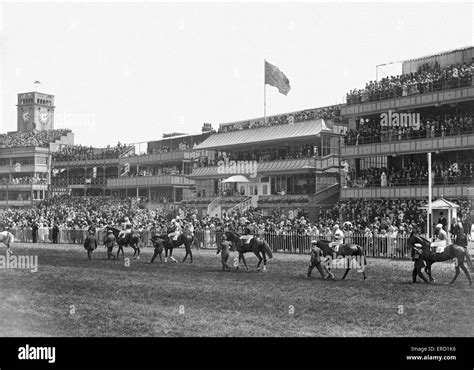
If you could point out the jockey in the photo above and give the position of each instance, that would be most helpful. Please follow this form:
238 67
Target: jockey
126 228
189 227
441 240
338 238
176 226
248 230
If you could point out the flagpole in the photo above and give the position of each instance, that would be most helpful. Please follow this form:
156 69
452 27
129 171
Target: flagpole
264 95
430 189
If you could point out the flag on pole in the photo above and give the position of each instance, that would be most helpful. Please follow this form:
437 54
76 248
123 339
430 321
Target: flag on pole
276 78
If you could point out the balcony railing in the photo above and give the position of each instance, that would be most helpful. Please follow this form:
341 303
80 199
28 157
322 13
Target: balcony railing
412 135
361 183
413 89
145 181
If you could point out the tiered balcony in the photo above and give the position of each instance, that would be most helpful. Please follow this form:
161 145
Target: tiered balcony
409 102
286 166
419 144
149 181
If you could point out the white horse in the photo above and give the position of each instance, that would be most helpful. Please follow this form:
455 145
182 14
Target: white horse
7 238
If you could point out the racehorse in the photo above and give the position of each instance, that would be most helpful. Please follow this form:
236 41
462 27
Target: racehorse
7 238
186 239
129 240
345 250
258 246
158 245
452 251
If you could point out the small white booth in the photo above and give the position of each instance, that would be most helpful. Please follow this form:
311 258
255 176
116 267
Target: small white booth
449 209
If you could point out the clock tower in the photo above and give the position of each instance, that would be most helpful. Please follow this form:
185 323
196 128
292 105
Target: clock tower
35 111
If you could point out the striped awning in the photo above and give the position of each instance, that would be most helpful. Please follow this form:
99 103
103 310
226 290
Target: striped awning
264 135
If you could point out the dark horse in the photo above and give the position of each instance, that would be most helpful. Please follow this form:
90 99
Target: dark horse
186 239
452 251
258 246
128 240
345 250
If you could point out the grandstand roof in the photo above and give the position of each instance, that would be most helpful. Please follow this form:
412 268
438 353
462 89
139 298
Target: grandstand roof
264 134
439 54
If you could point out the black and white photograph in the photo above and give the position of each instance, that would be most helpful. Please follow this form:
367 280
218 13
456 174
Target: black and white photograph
237 169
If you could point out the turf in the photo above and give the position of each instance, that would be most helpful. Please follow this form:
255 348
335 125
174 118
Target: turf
71 296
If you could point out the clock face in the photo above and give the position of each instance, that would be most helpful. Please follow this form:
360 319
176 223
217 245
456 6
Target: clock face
26 116
44 117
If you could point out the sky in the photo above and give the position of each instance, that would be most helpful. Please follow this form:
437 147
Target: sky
130 72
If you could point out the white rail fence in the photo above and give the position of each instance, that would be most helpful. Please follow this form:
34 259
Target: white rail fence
374 246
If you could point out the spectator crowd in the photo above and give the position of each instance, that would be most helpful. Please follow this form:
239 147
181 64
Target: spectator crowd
23 139
426 79
357 216
369 130
80 152
444 171
331 112
261 155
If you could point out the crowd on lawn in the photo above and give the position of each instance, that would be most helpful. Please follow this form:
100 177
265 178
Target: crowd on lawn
359 216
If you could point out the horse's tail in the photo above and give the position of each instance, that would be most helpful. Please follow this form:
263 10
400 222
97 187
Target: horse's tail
267 249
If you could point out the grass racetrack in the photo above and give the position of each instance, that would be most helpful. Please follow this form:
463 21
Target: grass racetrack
71 296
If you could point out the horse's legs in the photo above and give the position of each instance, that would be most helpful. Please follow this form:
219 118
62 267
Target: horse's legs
455 275
186 255
190 254
264 262
171 256
428 271
259 259
466 271
138 249
345 273
243 259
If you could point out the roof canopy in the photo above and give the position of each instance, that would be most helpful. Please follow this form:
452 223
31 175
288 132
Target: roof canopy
236 178
441 204
264 135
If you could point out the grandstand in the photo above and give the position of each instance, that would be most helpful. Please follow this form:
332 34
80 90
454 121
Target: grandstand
25 165
288 161
390 133
372 148
154 170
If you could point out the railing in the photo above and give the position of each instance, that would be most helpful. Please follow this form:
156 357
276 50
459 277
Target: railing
407 135
412 89
373 246
213 205
242 206
395 247
69 236
360 183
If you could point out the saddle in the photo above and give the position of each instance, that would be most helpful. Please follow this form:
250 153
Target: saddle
437 248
